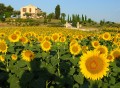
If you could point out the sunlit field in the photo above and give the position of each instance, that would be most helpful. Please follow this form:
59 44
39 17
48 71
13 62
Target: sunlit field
56 57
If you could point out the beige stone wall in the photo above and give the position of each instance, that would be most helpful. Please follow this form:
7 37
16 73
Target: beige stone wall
29 9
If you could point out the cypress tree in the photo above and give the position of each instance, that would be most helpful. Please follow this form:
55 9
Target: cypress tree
85 18
57 12
82 18
68 18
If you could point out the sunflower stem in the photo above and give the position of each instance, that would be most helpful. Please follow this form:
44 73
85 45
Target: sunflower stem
47 83
28 67
73 57
58 63
7 69
64 46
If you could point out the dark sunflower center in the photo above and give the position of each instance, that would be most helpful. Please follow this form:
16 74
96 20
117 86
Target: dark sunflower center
2 46
116 54
106 36
74 48
94 64
55 37
96 44
102 51
46 45
14 36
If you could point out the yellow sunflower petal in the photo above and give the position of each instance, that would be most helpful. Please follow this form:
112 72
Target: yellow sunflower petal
75 49
3 46
27 55
93 65
46 45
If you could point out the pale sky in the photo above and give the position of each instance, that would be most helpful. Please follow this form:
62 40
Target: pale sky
94 9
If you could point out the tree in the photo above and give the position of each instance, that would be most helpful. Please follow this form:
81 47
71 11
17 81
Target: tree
5 10
45 17
52 15
73 20
78 18
82 18
2 8
63 15
42 14
39 15
27 15
9 8
57 12
85 18
102 22
15 13
89 20
68 18
8 12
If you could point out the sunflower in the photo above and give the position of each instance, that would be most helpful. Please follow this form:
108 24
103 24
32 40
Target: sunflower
110 57
93 65
3 46
115 40
14 37
118 35
100 36
47 38
73 42
55 37
80 37
14 57
23 39
46 45
74 36
62 39
60 34
2 35
95 44
40 38
116 53
27 55
17 32
106 36
2 58
75 49
32 34
25 34
118 43
102 49
84 49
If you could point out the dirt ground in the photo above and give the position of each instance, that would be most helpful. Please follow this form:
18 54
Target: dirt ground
4 25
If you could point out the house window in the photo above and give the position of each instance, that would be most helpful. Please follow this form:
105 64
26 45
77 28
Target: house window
24 9
30 9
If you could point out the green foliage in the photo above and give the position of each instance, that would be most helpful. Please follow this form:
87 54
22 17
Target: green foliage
50 16
2 18
54 69
79 78
63 15
5 10
83 19
57 12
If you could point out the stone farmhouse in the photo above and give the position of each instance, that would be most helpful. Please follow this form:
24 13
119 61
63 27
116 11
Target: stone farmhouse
30 9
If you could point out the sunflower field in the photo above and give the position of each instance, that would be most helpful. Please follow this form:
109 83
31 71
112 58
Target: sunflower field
51 57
